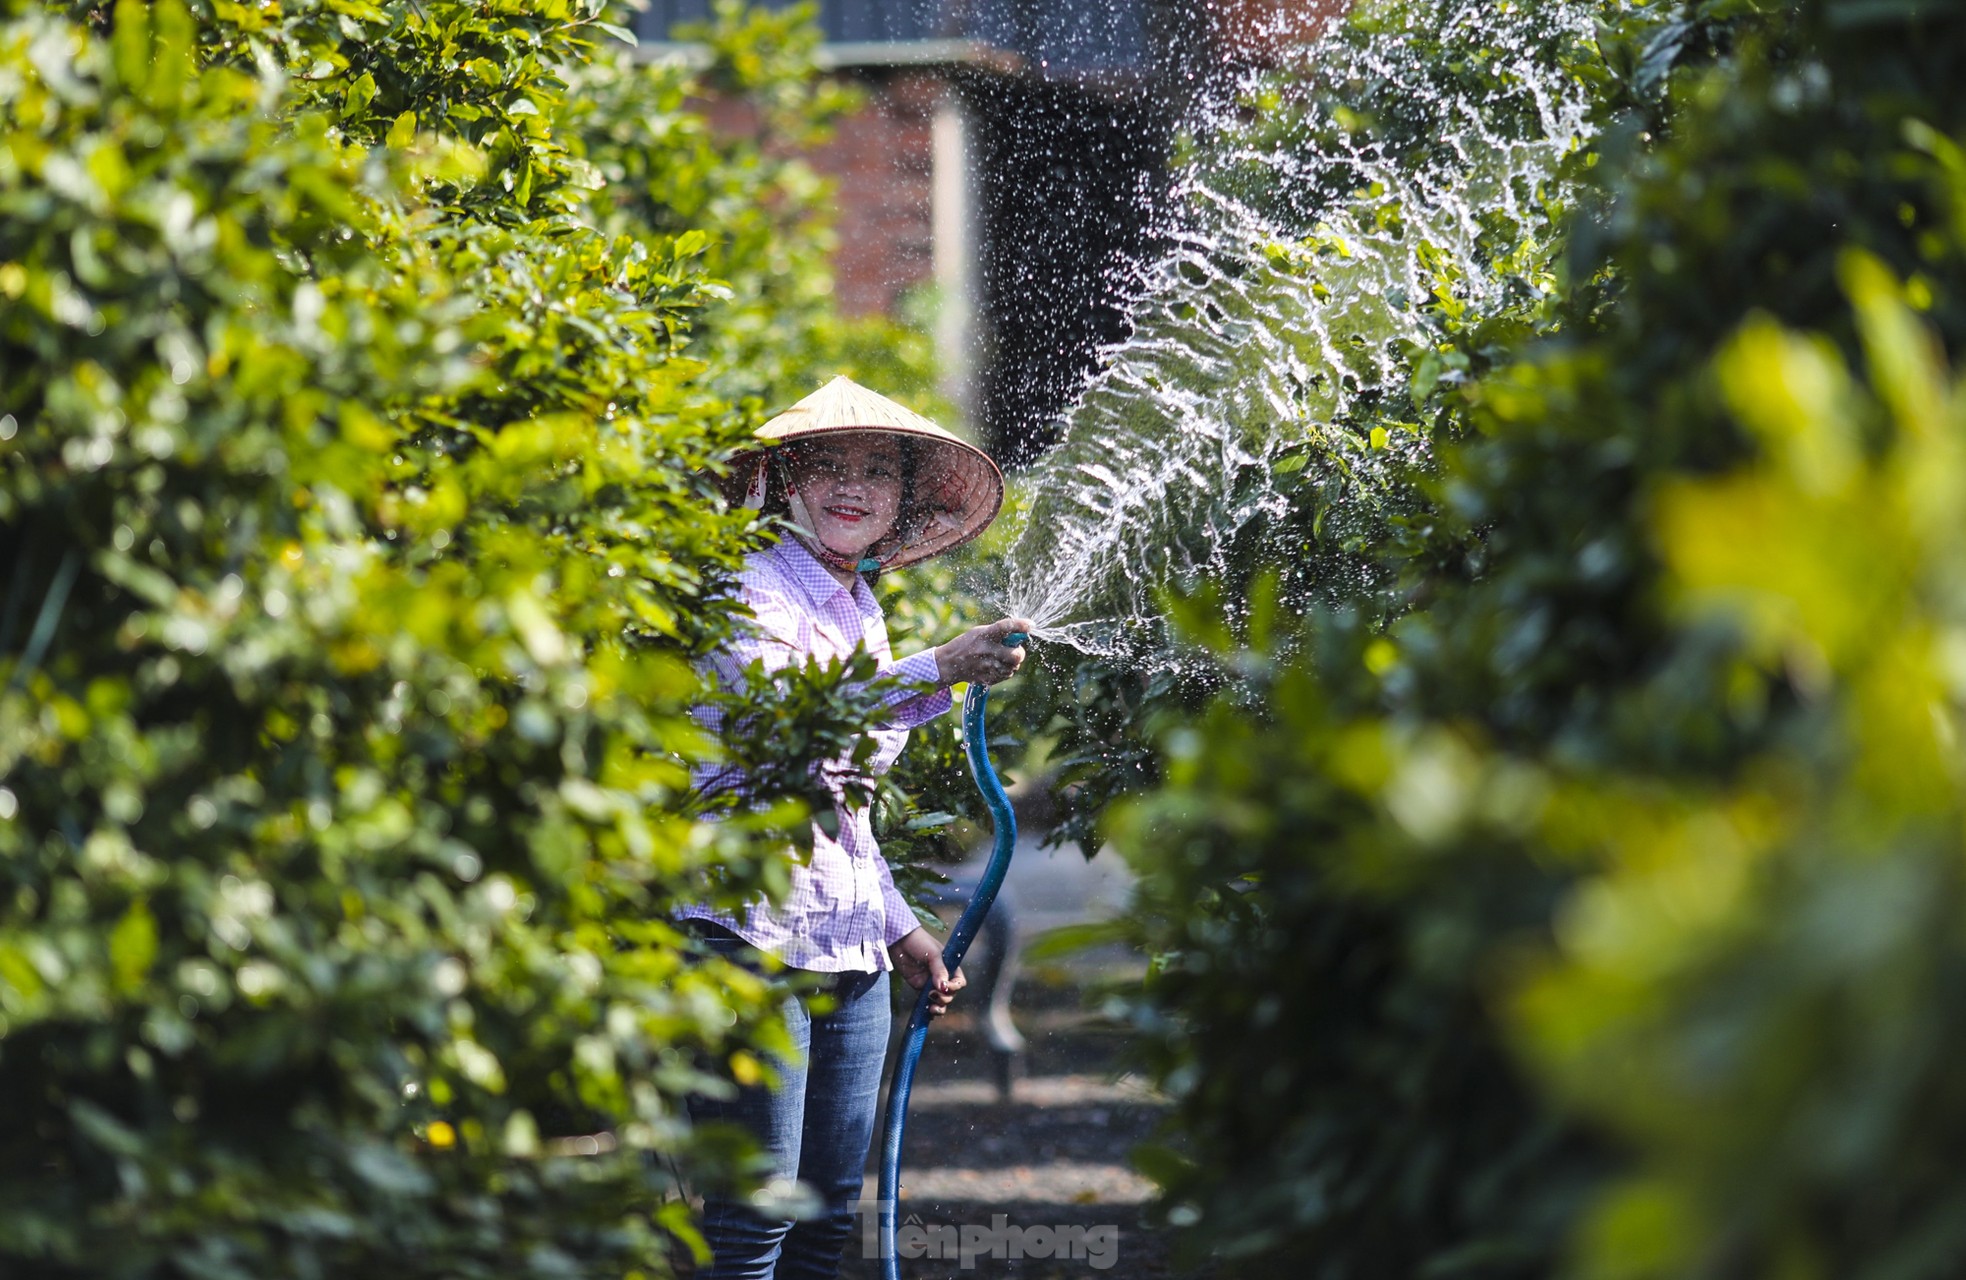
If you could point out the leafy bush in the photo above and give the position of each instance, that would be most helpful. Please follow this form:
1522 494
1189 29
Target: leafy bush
1592 909
354 499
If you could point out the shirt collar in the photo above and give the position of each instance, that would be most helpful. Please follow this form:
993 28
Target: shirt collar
814 580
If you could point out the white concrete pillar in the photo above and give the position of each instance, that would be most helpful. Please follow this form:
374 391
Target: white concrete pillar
956 246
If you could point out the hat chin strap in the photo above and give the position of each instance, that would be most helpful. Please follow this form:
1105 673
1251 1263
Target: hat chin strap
802 526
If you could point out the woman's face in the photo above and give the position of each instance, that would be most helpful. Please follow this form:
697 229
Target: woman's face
851 485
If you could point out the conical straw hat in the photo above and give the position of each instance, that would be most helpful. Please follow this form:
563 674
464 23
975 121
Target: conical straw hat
955 490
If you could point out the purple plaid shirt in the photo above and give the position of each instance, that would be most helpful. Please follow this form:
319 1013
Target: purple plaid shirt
843 911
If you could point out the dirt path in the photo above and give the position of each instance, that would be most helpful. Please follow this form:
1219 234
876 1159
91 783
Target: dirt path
1044 1175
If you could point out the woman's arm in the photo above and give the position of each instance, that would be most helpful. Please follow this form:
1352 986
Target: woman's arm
923 695
978 656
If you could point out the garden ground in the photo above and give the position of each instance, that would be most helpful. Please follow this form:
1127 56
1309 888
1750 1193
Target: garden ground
1054 1156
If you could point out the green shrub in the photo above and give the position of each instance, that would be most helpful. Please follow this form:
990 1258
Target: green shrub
359 539
1597 914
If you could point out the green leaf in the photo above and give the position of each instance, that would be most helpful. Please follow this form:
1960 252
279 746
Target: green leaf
1162 1163
105 1130
133 946
1068 940
130 38
360 95
389 1171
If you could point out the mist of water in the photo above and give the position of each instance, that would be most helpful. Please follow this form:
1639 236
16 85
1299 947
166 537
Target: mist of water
1289 296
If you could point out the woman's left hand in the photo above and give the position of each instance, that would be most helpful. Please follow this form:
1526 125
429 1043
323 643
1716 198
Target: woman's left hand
918 958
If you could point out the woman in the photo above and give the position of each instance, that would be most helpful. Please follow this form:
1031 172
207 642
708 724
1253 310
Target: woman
865 486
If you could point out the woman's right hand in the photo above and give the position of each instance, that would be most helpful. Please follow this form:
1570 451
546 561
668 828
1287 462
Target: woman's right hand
979 654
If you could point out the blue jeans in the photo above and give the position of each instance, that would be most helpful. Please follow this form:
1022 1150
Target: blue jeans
816 1124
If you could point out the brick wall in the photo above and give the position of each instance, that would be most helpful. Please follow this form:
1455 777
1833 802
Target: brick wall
882 161
1265 28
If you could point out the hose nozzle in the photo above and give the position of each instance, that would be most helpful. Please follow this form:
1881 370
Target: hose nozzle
1016 639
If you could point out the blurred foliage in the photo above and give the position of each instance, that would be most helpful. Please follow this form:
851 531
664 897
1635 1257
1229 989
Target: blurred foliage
1589 903
363 381
1754 985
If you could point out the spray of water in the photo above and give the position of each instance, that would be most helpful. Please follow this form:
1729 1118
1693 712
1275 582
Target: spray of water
1290 296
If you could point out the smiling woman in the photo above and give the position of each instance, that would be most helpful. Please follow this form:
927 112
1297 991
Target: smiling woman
849 488
862 485
950 489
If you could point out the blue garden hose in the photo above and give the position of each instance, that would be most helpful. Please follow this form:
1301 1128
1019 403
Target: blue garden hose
978 748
